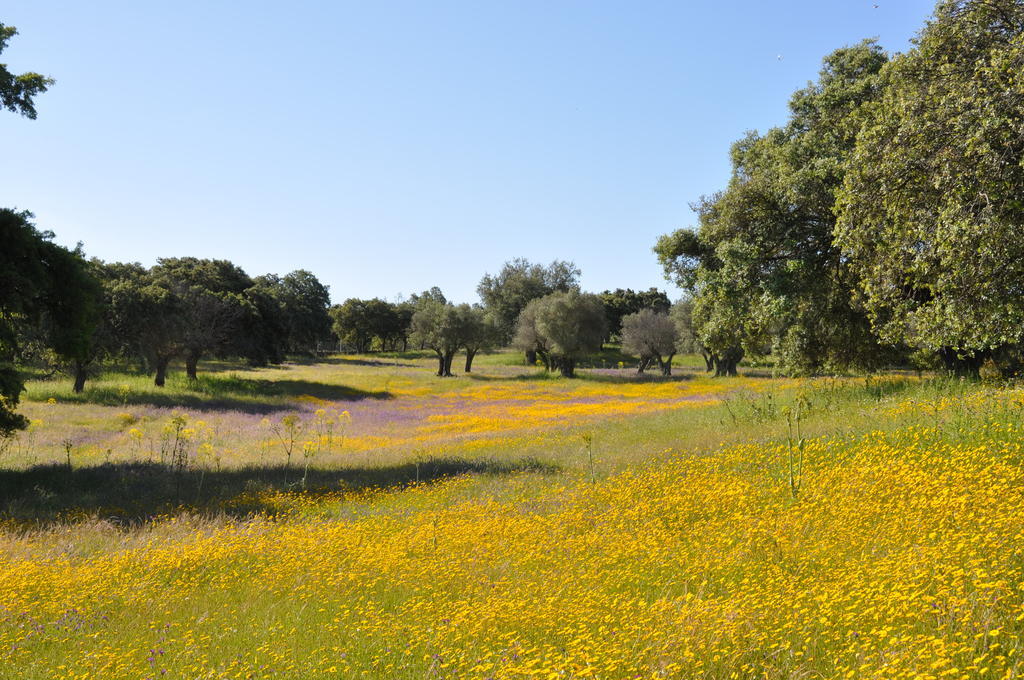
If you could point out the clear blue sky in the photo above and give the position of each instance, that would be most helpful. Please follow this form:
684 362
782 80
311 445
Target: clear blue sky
393 146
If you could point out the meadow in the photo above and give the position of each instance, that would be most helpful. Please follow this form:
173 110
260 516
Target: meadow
358 517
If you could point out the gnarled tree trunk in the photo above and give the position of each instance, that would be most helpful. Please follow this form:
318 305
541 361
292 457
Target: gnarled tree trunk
161 370
666 365
469 359
726 363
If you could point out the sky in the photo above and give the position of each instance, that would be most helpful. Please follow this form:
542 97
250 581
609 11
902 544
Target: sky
393 146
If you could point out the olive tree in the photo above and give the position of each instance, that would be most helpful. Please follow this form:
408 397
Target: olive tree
506 294
479 331
652 337
567 325
440 327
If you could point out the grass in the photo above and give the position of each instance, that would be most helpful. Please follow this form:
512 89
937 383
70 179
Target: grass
512 525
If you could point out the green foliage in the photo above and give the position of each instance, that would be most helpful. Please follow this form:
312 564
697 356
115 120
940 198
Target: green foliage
479 330
18 92
45 290
562 327
519 281
211 304
620 302
357 323
763 270
651 336
931 207
440 326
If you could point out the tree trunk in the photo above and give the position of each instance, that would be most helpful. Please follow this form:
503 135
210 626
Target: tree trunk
709 362
531 357
642 365
567 367
191 361
469 360
666 365
448 364
726 363
80 376
440 364
962 365
161 370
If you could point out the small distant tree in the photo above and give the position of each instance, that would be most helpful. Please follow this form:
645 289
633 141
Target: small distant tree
352 324
304 304
479 332
568 324
652 336
264 338
439 326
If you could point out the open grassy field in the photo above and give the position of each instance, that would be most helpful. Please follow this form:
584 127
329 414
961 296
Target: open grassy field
358 517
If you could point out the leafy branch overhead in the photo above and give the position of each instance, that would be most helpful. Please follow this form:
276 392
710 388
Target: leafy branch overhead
18 92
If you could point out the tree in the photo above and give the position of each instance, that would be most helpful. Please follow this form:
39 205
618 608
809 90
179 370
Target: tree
74 306
358 322
651 336
687 341
528 338
519 281
352 325
479 331
439 326
567 324
212 304
930 210
23 280
763 269
20 273
304 304
720 304
266 335
18 92
620 302
149 317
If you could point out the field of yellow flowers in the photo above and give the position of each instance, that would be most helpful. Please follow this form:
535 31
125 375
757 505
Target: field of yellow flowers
757 528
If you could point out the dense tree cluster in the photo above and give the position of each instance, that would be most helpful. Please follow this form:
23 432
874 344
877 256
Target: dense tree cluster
622 302
506 294
882 217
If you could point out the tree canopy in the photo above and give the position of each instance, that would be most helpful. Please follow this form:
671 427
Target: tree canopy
930 211
507 293
561 327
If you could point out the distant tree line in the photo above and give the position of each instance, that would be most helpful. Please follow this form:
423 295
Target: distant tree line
882 223
57 305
